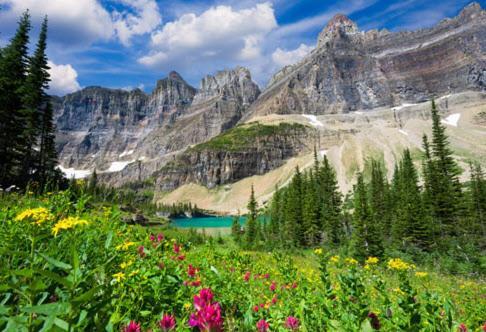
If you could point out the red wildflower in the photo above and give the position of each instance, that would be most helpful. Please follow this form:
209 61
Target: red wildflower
267 275
204 298
152 238
262 325
176 248
374 321
273 286
167 323
256 308
274 300
181 257
462 328
484 327
160 237
196 283
191 271
292 323
141 251
208 315
132 327
247 276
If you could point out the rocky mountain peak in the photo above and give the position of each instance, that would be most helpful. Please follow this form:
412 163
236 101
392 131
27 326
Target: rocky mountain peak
471 11
340 25
175 76
233 83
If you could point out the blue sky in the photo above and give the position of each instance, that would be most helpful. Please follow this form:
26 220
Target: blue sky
133 43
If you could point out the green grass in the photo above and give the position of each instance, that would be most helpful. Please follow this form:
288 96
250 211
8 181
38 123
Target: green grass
101 274
245 136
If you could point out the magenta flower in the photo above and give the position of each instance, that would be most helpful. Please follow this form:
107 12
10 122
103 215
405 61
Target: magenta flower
273 286
462 328
177 248
167 323
208 314
204 298
247 276
152 238
292 323
262 326
132 327
160 237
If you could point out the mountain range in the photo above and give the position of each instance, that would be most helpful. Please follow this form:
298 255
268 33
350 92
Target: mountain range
357 95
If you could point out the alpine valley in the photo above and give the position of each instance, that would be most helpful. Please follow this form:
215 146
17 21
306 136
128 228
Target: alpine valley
357 95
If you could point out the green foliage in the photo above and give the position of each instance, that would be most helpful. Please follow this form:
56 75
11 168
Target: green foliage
244 136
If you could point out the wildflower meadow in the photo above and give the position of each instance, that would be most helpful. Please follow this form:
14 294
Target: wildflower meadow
71 265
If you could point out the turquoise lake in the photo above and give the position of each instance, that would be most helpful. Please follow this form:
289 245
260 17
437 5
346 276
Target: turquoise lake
205 222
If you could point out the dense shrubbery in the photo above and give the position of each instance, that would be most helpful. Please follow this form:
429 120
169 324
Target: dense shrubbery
67 267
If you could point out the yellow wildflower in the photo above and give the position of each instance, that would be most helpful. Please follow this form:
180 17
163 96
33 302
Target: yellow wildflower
398 291
135 272
67 223
119 276
125 246
399 265
335 259
351 261
37 215
372 260
367 267
318 251
124 265
421 274
187 306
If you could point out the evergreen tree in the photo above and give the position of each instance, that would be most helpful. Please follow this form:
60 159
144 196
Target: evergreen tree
310 211
13 123
236 229
251 222
446 188
378 197
275 213
366 238
331 201
477 205
292 228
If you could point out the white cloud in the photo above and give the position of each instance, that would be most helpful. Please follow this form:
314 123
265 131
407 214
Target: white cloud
70 21
218 33
284 58
145 20
63 79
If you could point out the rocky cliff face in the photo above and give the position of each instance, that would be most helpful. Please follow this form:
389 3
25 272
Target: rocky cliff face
352 70
110 129
243 151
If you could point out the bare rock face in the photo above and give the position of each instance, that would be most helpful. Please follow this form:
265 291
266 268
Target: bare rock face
111 129
238 153
352 70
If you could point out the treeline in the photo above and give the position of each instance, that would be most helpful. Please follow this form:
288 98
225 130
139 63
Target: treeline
180 210
430 211
27 131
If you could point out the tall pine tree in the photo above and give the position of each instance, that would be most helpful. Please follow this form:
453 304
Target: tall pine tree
13 122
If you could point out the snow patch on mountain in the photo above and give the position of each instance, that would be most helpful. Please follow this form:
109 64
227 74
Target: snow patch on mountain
313 120
452 120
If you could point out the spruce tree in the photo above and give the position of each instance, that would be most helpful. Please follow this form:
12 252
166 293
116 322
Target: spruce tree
330 205
293 235
446 188
477 201
236 229
251 221
310 211
13 123
366 238
378 197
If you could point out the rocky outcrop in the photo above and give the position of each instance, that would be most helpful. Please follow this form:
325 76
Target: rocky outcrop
110 129
243 151
352 70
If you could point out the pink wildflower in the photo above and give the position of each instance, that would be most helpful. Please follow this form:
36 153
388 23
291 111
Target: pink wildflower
160 237
167 323
176 248
132 327
262 325
273 286
191 271
247 276
462 328
292 323
152 238
141 251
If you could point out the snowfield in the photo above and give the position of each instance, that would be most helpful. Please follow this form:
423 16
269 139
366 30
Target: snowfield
452 120
313 120
74 173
